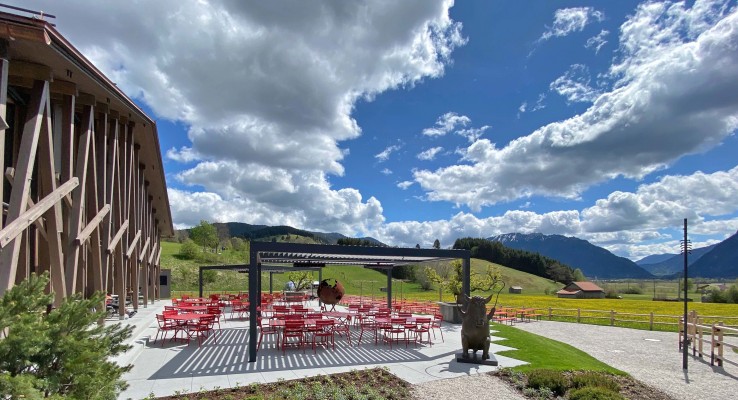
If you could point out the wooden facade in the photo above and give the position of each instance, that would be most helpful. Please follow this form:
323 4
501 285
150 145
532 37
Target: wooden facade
84 194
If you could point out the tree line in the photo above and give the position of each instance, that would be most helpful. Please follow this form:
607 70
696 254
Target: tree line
521 260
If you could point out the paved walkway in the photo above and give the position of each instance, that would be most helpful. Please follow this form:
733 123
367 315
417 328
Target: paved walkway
181 367
651 357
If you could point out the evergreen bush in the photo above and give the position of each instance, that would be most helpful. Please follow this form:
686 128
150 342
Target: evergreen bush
548 378
63 353
595 379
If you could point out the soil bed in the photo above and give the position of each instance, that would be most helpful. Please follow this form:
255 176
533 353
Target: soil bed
374 383
630 388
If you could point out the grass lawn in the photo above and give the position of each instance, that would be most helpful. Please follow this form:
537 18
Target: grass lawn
541 352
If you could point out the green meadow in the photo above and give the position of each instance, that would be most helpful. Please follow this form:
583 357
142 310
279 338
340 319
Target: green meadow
537 292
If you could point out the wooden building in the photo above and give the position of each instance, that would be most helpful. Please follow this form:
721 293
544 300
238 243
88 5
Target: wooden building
515 289
581 290
84 195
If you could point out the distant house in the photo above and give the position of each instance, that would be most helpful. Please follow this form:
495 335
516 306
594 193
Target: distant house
581 290
515 289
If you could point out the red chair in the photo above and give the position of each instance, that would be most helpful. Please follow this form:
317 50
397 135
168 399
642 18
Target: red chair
164 327
293 329
216 312
368 325
266 329
422 326
325 331
393 330
436 324
239 307
201 329
342 327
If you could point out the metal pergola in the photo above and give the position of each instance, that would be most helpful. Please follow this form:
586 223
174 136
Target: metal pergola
264 256
272 269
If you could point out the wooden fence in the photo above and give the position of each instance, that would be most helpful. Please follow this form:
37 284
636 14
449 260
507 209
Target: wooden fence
650 321
719 335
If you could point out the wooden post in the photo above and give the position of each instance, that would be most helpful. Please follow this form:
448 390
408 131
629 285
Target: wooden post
700 340
713 344
612 317
22 180
550 313
579 315
650 322
720 344
3 111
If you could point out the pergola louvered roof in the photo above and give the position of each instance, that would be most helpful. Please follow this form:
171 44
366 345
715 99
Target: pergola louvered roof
306 254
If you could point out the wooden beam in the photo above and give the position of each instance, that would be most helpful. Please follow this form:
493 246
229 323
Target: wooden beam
78 198
22 182
132 246
24 32
3 112
64 88
154 249
102 107
92 224
86 99
158 257
143 250
118 235
47 177
29 70
9 174
16 227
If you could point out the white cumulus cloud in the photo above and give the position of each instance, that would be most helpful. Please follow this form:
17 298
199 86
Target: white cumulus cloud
447 123
266 89
675 93
568 20
429 154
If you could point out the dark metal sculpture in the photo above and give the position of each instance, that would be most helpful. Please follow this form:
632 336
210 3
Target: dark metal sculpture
330 294
475 326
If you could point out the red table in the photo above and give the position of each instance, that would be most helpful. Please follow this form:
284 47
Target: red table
186 317
192 309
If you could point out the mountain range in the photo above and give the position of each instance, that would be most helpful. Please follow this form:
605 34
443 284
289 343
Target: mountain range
670 264
720 262
715 261
258 232
593 261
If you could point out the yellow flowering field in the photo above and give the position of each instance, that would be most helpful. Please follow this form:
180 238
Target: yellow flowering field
598 311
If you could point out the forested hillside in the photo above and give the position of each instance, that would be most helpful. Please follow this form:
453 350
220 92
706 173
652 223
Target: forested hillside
520 260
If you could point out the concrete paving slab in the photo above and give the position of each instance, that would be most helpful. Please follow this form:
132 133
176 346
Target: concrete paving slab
222 360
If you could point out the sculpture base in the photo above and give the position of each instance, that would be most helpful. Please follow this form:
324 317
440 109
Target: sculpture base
476 359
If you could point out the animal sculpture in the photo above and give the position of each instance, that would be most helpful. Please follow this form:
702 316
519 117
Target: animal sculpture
330 294
475 326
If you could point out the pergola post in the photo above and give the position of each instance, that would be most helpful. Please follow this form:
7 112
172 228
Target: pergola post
389 288
199 282
254 272
320 279
259 284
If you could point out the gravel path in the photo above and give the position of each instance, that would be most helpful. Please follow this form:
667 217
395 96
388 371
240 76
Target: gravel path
473 387
651 357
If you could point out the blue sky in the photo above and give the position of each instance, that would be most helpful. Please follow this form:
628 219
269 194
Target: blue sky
416 120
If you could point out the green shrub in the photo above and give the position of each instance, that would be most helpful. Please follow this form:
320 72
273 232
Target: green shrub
189 250
632 290
548 378
594 393
594 379
64 353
